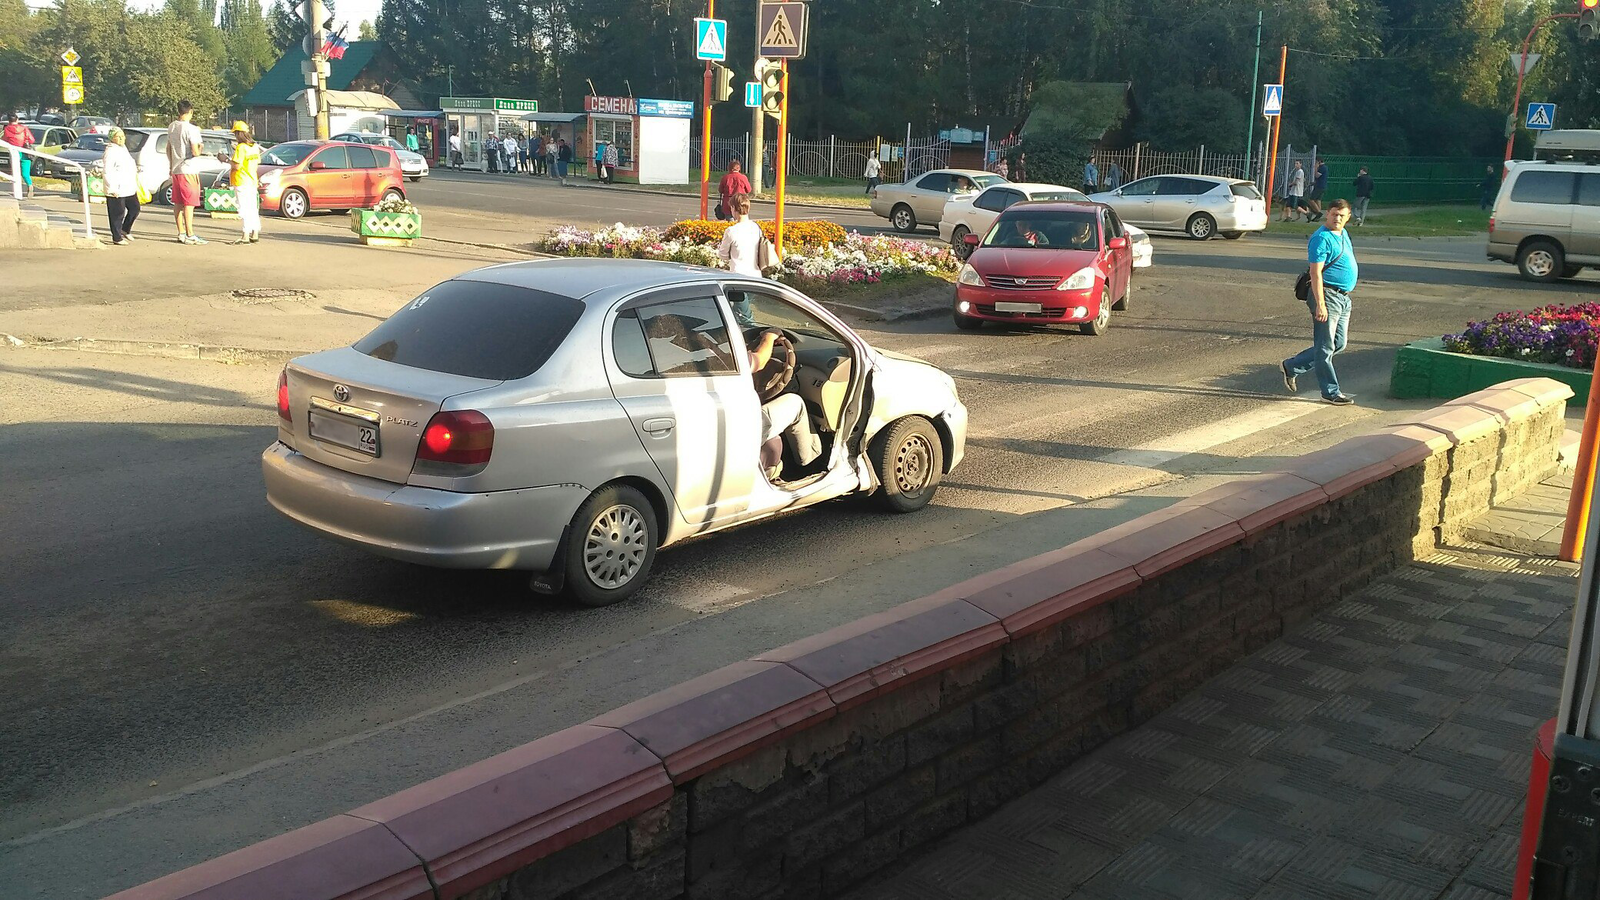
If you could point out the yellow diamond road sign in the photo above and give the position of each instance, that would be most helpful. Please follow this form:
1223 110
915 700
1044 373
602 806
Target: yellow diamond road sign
70 57
783 30
71 75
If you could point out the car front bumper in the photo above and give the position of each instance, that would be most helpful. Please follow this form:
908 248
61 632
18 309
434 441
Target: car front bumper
1054 306
955 423
414 171
516 529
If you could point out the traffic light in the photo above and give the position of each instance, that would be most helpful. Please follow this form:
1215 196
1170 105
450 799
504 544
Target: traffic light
723 88
1586 26
770 73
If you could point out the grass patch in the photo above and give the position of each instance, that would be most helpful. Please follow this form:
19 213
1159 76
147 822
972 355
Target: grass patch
1432 221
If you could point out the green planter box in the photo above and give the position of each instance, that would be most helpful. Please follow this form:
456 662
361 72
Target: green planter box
1425 369
220 202
97 189
386 229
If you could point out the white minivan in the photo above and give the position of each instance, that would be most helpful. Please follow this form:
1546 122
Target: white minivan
1546 218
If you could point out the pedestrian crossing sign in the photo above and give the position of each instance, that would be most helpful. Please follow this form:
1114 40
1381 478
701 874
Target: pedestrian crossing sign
711 39
1541 116
1272 101
782 27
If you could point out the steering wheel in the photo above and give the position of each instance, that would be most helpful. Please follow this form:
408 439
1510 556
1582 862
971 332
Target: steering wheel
771 379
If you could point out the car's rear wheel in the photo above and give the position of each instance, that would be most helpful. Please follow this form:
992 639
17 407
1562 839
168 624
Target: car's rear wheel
903 219
392 194
909 460
610 546
958 242
1127 298
166 194
1233 235
1541 261
294 204
1101 322
1201 227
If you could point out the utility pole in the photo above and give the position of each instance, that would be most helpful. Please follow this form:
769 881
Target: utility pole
1277 127
758 127
705 132
1255 77
316 66
782 161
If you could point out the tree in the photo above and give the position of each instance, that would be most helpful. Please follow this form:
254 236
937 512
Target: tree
365 31
249 46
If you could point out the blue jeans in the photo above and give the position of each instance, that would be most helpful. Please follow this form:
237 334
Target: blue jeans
1327 338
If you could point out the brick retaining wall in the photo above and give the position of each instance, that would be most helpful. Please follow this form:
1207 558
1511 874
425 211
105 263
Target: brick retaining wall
804 770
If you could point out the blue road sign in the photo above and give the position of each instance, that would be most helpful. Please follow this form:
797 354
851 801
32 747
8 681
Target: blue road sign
1272 100
711 39
752 93
1541 116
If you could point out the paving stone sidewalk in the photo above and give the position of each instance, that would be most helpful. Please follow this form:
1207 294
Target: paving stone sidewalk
1380 750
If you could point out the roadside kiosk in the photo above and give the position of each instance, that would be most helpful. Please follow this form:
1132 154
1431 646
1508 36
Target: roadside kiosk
475 118
429 125
560 126
652 136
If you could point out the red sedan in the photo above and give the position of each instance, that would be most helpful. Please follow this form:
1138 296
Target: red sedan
1045 263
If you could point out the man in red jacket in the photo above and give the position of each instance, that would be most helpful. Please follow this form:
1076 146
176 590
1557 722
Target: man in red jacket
732 183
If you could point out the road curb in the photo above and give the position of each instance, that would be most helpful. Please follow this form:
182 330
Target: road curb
897 314
162 349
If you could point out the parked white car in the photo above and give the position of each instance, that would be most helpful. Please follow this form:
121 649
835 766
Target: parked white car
1201 206
413 165
921 201
568 417
973 213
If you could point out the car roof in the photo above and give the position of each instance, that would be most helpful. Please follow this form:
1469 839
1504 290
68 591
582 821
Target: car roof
1031 186
960 172
581 277
1057 205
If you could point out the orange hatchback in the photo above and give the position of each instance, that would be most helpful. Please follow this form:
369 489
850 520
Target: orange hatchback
300 176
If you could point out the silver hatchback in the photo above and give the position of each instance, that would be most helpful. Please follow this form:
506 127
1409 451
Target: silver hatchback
569 417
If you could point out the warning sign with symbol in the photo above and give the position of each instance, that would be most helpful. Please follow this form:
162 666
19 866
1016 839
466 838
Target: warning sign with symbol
783 30
71 75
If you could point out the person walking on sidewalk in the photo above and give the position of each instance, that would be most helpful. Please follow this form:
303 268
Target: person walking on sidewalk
411 138
874 170
1091 178
1363 195
183 151
1487 188
552 167
243 166
1294 192
732 185
613 158
1333 279
455 151
1319 184
563 159
122 186
17 135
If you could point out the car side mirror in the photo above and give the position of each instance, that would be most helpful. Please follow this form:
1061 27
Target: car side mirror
1117 243
317 166
970 239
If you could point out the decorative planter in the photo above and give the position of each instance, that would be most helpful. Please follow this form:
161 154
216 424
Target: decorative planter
386 229
97 188
1425 369
220 202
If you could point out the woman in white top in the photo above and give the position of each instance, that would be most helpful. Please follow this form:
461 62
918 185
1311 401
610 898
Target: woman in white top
122 186
741 243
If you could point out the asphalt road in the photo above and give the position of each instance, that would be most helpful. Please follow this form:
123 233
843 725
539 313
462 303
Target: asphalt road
185 672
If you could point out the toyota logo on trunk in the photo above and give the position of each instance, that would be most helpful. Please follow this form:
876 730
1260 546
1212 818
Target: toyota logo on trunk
341 393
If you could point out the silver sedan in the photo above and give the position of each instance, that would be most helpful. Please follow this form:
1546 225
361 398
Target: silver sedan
569 417
1201 206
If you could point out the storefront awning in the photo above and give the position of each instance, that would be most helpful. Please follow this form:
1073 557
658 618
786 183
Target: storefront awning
553 118
414 114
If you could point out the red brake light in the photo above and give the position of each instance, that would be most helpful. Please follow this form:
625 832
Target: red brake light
457 436
283 396
1491 224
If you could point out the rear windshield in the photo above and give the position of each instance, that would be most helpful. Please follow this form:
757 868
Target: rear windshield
1058 195
1245 189
494 331
136 140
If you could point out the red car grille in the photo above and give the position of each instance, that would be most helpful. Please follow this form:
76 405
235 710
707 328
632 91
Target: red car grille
1019 283
1046 312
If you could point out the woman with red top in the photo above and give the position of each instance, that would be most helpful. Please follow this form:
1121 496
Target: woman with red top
18 135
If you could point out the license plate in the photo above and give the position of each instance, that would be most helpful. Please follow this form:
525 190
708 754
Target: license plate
1017 307
344 431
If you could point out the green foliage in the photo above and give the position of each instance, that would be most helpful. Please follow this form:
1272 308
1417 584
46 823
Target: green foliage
1055 154
1182 116
250 51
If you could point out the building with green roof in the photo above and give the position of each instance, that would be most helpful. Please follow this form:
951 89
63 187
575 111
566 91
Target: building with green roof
271 109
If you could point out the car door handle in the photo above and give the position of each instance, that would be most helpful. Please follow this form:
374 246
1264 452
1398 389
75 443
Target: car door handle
659 427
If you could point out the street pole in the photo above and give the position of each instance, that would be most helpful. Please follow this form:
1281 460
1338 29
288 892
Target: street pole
1277 127
1582 475
782 161
1511 126
1255 76
318 14
705 133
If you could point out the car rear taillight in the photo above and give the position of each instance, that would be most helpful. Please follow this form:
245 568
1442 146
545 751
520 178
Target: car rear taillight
283 397
1491 224
460 437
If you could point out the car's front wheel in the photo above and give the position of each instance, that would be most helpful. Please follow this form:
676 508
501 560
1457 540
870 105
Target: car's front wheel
1101 322
610 546
958 242
903 218
909 460
294 204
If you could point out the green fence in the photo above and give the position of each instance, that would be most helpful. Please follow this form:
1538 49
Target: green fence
1409 179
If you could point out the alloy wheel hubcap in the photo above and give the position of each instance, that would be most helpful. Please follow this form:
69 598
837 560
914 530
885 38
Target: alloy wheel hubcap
913 465
1541 263
293 206
1201 228
614 549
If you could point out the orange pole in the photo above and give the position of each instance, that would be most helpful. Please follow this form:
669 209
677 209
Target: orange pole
1582 476
705 132
782 162
1277 125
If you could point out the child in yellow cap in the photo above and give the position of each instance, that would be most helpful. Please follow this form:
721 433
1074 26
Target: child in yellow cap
243 175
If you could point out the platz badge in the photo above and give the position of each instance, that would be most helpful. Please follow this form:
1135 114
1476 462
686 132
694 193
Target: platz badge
782 27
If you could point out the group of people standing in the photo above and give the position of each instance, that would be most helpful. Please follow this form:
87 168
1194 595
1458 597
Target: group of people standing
1092 182
518 154
1298 204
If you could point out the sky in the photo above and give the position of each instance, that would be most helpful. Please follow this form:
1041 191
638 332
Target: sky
350 12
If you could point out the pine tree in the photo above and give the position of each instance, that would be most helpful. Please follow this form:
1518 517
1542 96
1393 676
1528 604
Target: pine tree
250 49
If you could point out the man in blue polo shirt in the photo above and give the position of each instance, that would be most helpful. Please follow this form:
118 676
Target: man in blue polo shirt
1333 278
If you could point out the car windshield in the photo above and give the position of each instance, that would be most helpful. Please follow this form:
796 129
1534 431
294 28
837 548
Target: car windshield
1045 230
1245 189
478 329
91 142
983 180
287 154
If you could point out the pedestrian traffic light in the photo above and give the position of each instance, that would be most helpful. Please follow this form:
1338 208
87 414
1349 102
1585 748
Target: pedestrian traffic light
770 73
723 89
1586 25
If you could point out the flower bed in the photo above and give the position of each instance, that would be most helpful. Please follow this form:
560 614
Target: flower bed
1561 335
819 254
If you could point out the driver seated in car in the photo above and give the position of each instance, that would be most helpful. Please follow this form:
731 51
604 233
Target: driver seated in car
1026 236
1083 236
784 414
